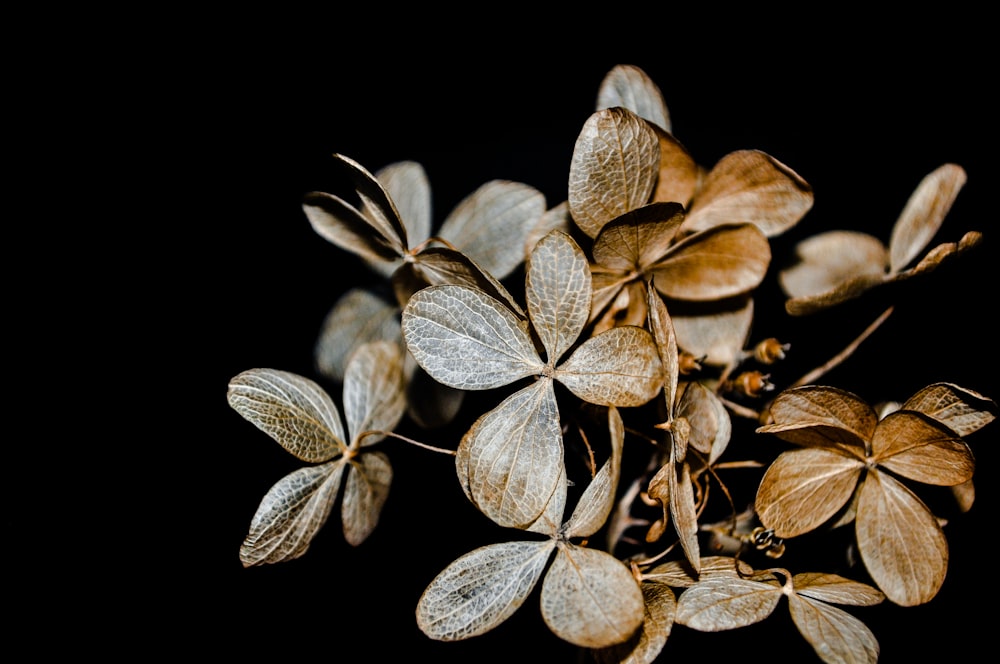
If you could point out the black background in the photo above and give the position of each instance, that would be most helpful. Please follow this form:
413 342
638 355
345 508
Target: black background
250 114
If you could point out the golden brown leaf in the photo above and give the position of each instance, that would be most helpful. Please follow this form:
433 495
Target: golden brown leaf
750 186
613 171
900 541
803 488
647 643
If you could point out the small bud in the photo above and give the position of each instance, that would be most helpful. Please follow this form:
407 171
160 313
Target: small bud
688 363
750 384
770 351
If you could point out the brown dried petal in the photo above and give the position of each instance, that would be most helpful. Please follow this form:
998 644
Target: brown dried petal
613 170
917 446
749 186
719 604
679 176
515 456
590 598
630 87
819 405
293 410
357 317
836 589
803 488
481 589
558 292
365 492
834 634
825 261
717 263
923 214
962 410
291 513
618 367
644 646
638 238
716 332
710 423
491 224
680 574
900 541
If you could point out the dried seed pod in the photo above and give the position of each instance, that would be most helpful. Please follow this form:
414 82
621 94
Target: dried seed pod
770 350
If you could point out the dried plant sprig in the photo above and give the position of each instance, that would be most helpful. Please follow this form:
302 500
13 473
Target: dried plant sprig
644 229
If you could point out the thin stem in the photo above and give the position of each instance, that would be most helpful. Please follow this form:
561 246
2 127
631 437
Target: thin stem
813 375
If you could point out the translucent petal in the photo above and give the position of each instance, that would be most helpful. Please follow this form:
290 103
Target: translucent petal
557 290
365 493
481 589
630 87
590 598
293 410
466 339
614 168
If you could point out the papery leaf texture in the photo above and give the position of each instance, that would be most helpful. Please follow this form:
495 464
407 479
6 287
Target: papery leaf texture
481 589
358 316
613 169
374 398
717 263
598 498
618 367
919 447
836 589
718 334
291 513
900 541
513 456
365 493
491 224
590 598
962 410
291 409
825 261
835 635
630 87
750 186
557 290
680 573
803 488
923 214
719 604
822 415
647 643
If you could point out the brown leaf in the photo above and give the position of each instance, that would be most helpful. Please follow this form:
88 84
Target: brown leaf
590 598
836 589
715 332
900 541
719 604
647 643
680 573
916 446
803 488
750 186
962 410
834 634
683 511
491 224
716 263
630 87
365 493
923 214
679 176
821 415
825 261
613 170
